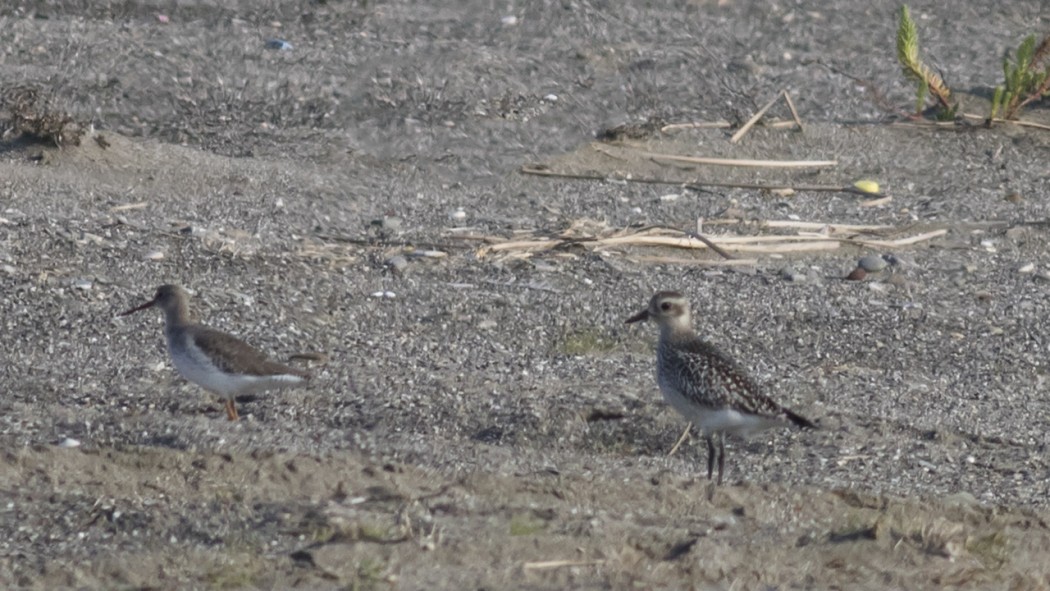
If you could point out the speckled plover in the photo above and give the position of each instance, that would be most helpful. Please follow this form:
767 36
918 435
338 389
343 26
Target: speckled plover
704 384
220 363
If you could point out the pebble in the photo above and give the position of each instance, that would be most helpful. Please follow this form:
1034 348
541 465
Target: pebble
872 263
83 284
69 442
794 276
389 224
487 324
458 214
1027 268
670 197
279 44
398 263
857 274
154 255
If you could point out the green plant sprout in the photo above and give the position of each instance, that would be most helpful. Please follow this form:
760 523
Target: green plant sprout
928 81
1026 78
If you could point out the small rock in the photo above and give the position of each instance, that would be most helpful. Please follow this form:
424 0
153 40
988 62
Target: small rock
154 255
397 263
872 263
389 224
857 274
670 197
278 44
487 324
794 276
83 284
389 295
458 214
1014 198
69 442
1027 268
509 20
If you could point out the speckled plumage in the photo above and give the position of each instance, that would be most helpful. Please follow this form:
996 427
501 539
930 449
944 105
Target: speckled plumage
704 384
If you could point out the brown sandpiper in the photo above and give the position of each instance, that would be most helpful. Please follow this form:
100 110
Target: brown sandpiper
707 386
218 362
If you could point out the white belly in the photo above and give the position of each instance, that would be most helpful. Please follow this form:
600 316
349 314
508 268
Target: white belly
195 366
713 420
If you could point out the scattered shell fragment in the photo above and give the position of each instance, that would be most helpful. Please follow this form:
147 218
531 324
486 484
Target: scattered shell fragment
428 254
389 295
1027 268
83 284
69 442
458 214
154 255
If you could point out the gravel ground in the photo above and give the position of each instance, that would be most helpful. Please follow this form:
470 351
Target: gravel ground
494 424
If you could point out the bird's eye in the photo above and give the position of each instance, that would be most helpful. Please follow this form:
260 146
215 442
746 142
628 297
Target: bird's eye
665 306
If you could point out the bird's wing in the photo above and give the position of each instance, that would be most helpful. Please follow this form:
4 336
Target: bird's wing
232 354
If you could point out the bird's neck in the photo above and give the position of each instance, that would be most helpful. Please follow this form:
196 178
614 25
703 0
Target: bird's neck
178 315
677 329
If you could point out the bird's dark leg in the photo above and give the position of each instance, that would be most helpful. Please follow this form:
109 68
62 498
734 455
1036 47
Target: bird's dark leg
710 455
721 457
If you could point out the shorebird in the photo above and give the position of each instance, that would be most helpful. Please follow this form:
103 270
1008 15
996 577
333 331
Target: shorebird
220 363
705 385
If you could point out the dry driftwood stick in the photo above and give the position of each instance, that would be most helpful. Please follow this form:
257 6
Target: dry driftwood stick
794 112
900 241
666 260
710 244
547 564
748 163
1021 122
760 244
696 125
746 127
695 185
821 226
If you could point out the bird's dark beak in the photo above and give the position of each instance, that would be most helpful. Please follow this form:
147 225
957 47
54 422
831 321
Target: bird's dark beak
643 315
148 304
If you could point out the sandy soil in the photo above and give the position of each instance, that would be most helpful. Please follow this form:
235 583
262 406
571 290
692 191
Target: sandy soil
494 424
